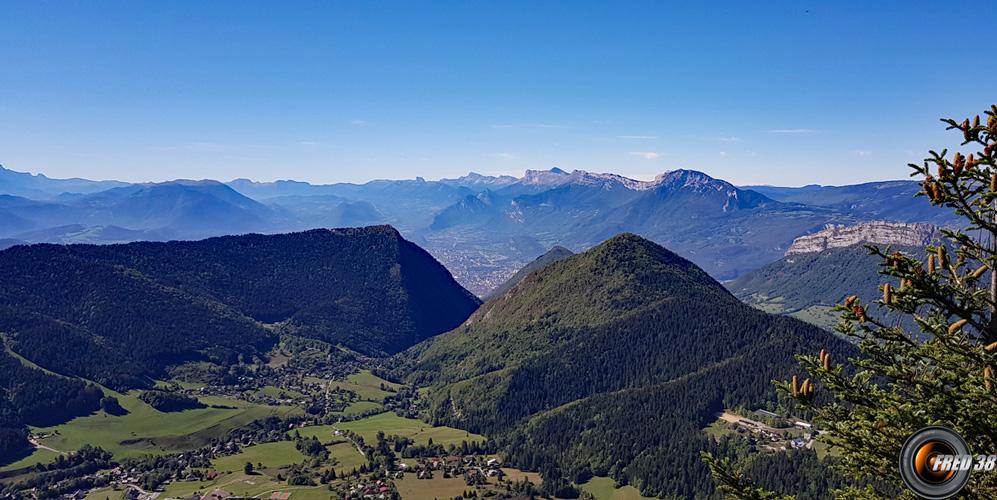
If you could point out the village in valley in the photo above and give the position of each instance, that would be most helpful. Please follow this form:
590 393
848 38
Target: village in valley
313 421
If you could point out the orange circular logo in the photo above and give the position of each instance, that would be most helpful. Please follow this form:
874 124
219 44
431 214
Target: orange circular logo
935 463
924 462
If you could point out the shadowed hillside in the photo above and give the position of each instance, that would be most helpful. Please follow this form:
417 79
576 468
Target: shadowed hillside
119 314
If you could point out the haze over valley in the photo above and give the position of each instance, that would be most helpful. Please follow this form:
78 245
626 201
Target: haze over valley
482 228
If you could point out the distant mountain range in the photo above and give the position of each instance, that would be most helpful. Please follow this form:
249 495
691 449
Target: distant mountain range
38 186
610 362
888 200
483 228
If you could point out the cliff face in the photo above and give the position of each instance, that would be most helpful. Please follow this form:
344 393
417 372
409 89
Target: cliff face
880 233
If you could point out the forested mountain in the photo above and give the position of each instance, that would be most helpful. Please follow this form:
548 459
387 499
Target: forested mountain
29 396
809 285
610 361
193 208
551 256
119 314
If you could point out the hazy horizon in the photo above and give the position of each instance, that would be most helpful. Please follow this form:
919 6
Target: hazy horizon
416 176
786 93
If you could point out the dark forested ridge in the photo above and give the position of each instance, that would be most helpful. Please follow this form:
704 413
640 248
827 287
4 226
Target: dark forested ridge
119 314
611 362
29 396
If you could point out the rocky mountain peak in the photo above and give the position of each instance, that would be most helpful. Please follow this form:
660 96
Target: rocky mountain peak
876 232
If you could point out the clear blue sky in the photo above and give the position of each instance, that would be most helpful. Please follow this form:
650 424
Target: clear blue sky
787 93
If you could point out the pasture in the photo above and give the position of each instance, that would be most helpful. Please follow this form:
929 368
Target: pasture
39 456
345 456
411 488
604 488
417 430
145 430
266 456
366 385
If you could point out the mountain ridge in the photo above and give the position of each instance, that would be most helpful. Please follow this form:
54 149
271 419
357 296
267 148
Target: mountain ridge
549 257
586 340
365 288
874 232
484 228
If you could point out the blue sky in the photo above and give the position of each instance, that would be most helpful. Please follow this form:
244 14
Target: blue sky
754 92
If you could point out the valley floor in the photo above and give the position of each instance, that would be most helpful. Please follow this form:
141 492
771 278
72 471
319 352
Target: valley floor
296 431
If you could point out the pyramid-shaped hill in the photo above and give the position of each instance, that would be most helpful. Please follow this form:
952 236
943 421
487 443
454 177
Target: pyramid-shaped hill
607 346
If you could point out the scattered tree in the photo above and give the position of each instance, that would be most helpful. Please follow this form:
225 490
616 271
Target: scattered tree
904 381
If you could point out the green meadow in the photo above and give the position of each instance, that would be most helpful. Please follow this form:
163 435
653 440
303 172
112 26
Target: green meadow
38 457
276 392
420 432
346 456
265 456
145 430
604 488
245 485
366 385
411 488
360 407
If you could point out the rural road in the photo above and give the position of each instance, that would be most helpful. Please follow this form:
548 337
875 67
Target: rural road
34 442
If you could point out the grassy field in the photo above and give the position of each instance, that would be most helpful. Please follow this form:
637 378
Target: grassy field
514 475
105 493
268 455
719 428
419 431
604 488
411 488
243 485
182 489
144 430
39 456
366 385
278 359
342 451
322 432
825 450
276 392
346 456
359 407
820 315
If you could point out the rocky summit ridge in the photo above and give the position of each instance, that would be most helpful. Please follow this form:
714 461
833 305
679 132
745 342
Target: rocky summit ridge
876 232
